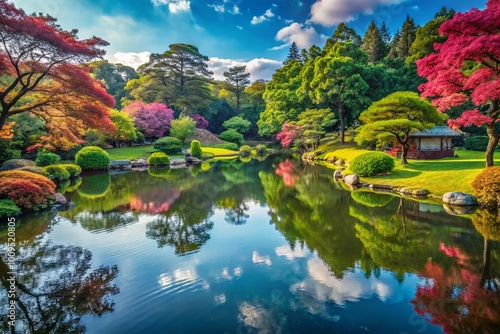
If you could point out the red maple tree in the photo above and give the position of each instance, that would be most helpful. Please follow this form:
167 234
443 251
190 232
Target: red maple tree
42 74
466 68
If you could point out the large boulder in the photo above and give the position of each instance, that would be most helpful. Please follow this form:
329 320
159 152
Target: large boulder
120 164
141 162
459 199
351 179
60 199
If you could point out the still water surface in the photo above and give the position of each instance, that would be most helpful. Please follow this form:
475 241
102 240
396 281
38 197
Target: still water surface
269 246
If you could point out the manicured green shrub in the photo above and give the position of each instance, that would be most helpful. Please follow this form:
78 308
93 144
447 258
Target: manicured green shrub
73 170
245 150
92 157
476 143
33 169
227 146
261 149
196 149
231 136
168 145
370 164
94 185
29 191
56 172
158 159
16 164
8 208
47 158
486 186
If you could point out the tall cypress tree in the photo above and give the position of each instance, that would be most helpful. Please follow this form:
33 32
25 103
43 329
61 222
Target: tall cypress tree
373 44
406 38
294 54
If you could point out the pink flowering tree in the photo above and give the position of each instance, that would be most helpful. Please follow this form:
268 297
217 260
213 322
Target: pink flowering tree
152 119
466 68
201 122
288 134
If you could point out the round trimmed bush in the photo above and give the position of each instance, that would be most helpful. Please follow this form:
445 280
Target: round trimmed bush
92 157
370 164
168 145
231 136
29 191
245 150
46 159
486 186
8 208
195 149
16 164
73 170
261 149
158 159
57 172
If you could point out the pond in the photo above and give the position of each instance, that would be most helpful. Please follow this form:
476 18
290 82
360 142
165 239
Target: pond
272 246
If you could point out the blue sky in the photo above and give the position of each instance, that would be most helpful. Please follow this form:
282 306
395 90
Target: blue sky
256 33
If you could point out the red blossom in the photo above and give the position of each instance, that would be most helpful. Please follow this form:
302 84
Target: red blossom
288 134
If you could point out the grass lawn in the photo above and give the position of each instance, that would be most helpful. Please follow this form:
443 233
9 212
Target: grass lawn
135 152
437 176
218 151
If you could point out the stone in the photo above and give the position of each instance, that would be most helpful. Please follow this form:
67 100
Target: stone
60 199
174 162
119 164
141 162
351 179
337 174
414 192
193 160
459 199
381 186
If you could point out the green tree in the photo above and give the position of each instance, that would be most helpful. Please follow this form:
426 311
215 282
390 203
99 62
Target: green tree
373 44
237 123
125 128
115 77
182 128
282 102
406 38
179 77
238 80
312 126
293 54
219 111
337 81
253 105
342 34
425 38
386 37
396 117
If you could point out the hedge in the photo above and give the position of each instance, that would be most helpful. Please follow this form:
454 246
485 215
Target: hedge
92 157
46 159
158 159
370 164
168 145
195 149
245 150
231 136
486 186
29 191
476 143
8 208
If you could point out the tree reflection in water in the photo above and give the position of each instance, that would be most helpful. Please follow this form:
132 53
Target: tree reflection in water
55 288
464 298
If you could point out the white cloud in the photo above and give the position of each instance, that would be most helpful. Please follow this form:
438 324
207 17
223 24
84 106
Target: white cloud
222 9
174 6
259 68
264 17
304 36
132 59
332 12
415 7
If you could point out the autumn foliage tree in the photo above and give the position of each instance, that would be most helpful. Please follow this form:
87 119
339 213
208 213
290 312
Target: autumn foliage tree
152 119
466 68
39 62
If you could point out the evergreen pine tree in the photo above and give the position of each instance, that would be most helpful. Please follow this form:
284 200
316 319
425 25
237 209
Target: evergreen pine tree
238 80
385 35
406 38
294 54
373 44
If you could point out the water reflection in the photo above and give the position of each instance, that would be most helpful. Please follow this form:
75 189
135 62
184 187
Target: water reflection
260 247
55 286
